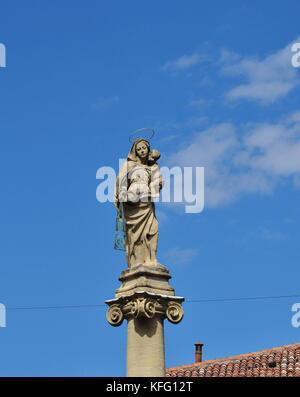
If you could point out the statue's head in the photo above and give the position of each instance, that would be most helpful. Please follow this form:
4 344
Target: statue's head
142 149
139 150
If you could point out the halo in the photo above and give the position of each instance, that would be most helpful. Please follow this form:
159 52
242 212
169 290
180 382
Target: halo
142 129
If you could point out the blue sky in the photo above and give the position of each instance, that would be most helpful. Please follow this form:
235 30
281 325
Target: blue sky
215 81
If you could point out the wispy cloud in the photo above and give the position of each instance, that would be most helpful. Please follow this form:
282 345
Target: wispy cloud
268 234
184 62
242 159
198 103
254 160
196 122
265 80
169 138
178 256
106 103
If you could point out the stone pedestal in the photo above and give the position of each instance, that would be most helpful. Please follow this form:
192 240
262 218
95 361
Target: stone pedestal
145 299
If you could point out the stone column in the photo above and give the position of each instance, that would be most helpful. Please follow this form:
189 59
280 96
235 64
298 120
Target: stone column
145 347
142 302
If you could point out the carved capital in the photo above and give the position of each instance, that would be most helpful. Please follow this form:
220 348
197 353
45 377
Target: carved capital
144 305
174 312
115 315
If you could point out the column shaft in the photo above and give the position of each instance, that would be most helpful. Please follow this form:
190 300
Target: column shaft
145 347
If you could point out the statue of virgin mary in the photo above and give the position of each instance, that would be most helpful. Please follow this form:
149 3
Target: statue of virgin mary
138 183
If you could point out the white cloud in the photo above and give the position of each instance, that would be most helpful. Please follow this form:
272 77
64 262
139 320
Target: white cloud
228 57
245 159
275 149
194 122
198 103
184 62
251 159
169 138
178 256
263 92
266 80
294 117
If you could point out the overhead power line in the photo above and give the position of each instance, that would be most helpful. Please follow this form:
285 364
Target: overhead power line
241 298
186 301
54 307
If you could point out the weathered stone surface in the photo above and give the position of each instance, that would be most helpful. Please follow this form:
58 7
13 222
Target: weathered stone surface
145 313
145 298
137 185
142 304
154 279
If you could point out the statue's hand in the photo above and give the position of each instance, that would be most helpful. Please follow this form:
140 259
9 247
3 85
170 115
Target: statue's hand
123 196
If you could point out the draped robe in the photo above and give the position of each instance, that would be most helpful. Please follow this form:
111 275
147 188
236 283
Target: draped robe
134 181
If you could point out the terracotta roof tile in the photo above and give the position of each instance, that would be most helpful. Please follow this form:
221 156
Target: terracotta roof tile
274 362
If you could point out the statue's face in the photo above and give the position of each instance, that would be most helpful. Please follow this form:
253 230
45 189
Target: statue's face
142 150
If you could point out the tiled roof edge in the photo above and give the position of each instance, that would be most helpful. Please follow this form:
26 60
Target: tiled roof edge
233 358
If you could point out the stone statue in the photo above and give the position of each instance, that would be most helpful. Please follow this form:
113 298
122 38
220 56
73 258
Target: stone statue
138 183
145 298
